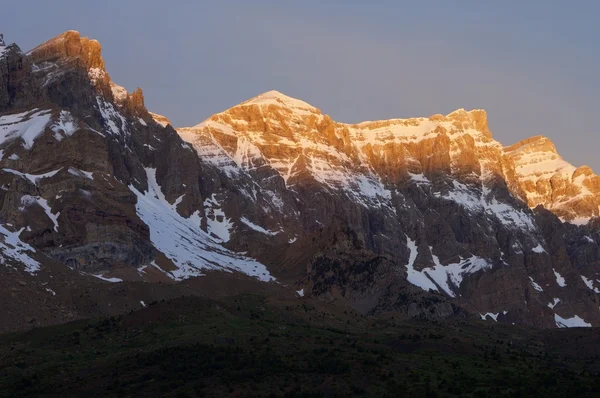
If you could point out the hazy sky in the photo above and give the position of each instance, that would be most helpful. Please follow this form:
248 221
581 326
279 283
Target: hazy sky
532 65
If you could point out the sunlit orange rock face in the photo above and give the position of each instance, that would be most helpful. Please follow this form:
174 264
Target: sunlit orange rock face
69 45
548 180
296 138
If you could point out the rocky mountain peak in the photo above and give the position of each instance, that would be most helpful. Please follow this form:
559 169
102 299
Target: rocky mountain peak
160 119
538 143
278 99
475 119
550 181
2 44
70 45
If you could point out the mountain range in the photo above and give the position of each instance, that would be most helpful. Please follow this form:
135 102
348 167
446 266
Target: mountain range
105 206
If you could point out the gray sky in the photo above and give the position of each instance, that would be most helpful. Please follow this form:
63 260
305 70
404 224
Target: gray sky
533 67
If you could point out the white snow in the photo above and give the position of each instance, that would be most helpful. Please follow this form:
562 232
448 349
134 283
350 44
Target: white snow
210 151
590 284
452 274
258 228
65 126
554 303
27 126
111 117
183 241
419 178
119 93
300 292
14 156
559 279
535 285
81 173
13 248
52 292
281 100
54 217
417 278
218 225
96 74
589 240
491 315
28 200
112 280
34 178
178 201
538 249
142 303
476 201
574 322
447 276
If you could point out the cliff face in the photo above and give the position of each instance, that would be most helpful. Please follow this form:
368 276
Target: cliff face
437 196
426 216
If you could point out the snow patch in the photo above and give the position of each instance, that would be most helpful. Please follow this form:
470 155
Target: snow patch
183 241
13 248
535 285
590 284
48 210
218 224
114 122
34 178
65 126
559 279
27 126
491 315
28 200
419 178
574 322
81 173
112 280
258 228
446 277
554 303
538 249
417 278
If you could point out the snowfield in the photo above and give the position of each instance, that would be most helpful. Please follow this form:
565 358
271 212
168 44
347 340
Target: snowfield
183 241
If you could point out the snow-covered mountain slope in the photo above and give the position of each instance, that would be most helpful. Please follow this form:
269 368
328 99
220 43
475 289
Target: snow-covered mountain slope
376 214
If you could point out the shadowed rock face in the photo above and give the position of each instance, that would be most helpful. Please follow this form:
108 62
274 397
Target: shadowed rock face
427 216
